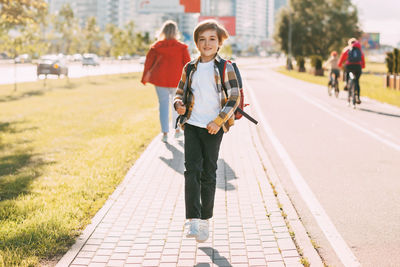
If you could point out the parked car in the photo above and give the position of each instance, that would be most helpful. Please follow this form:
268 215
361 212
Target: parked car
77 57
52 65
124 57
90 60
4 55
24 58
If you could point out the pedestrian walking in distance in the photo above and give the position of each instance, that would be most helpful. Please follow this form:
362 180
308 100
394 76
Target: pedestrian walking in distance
162 68
206 112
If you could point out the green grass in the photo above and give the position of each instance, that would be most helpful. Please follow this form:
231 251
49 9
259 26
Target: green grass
375 68
63 151
371 85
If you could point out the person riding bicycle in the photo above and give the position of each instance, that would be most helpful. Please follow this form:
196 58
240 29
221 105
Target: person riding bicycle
353 57
332 65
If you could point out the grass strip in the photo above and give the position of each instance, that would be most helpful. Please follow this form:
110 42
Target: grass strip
63 150
371 85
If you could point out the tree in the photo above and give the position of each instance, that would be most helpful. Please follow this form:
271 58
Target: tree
317 26
22 12
342 24
67 30
92 36
142 43
21 24
118 40
130 38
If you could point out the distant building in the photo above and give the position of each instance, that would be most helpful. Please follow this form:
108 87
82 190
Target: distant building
250 22
117 12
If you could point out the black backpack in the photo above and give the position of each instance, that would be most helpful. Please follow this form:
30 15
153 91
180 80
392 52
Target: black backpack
354 55
239 112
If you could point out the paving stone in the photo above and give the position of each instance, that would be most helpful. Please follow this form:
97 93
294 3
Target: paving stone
116 263
275 264
82 261
290 253
257 262
134 259
97 264
137 252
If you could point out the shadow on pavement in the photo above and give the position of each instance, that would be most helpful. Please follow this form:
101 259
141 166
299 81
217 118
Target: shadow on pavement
217 259
229 174
173 162
380 113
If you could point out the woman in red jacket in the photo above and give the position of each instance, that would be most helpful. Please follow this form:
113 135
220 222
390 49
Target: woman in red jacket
163 68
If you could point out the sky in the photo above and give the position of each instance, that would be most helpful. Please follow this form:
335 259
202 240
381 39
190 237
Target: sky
381 16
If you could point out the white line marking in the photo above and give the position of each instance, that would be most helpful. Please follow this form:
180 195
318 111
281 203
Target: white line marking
337 242
347 121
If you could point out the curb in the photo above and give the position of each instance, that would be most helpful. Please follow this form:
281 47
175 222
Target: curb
301 237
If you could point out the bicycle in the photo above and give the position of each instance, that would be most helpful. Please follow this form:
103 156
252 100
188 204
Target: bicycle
333 85
351 86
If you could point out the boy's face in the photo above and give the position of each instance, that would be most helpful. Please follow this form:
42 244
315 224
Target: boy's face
208 43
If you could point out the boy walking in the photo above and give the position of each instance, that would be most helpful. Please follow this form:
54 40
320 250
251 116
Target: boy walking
206 113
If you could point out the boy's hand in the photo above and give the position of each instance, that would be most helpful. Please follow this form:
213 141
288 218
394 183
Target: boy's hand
213 128
180 107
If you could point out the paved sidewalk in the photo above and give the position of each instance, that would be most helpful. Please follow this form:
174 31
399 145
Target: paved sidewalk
142 224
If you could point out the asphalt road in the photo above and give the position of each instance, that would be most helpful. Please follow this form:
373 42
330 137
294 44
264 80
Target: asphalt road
349 158
27 72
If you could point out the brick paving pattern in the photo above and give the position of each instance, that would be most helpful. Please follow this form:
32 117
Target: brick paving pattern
144 225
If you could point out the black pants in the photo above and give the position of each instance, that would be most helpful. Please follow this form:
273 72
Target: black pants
201 155
334 74
356 70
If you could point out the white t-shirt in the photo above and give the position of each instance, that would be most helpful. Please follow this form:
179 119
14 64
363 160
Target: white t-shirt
206 97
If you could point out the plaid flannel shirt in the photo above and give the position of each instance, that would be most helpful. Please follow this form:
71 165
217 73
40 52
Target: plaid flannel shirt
228 103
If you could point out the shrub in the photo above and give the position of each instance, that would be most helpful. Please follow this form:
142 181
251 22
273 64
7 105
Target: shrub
396 59
316 62
389 62
301 64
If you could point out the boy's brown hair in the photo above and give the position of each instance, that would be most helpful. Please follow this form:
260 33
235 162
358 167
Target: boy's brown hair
210 25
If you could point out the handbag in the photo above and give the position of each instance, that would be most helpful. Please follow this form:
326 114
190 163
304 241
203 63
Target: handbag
147 74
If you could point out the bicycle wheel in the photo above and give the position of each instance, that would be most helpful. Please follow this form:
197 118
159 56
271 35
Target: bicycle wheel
349 93
336 90
353 93
329 89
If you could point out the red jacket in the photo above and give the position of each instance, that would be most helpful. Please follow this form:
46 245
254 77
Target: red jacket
165 61
343 57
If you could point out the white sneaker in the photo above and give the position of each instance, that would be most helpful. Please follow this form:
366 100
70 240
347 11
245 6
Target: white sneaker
164 138
178 134
193 230
203 231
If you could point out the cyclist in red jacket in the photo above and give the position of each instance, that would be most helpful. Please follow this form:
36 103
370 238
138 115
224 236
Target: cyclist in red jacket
353 57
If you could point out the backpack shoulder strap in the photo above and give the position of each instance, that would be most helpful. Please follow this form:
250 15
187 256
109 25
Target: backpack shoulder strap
189 69
238 76
221 68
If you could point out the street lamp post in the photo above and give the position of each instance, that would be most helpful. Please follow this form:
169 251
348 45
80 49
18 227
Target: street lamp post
289 65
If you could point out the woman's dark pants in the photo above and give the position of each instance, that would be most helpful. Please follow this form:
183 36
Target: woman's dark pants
356 70
201 155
